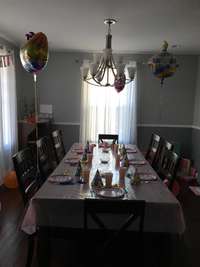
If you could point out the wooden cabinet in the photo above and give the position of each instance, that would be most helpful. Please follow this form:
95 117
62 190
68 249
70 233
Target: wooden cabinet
27 131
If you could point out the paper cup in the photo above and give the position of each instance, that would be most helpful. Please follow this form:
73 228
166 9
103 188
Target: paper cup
108 178
89 158
122 172
117 161
86 175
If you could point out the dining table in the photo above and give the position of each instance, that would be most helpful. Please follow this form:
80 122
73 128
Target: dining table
59 204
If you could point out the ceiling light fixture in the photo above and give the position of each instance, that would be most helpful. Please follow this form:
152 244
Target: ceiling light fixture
104 70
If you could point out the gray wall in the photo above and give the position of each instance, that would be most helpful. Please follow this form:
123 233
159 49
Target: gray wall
196 122
59 84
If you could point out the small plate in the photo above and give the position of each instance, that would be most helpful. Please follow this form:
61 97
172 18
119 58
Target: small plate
110 192
104 161
148 177
137 162
60 179
72 161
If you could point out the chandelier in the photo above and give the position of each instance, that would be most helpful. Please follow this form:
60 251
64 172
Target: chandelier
104 70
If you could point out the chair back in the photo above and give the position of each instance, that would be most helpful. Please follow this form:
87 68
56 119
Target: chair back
153 146
46 154
27 174
104 137
169 166
162 148
58 145
134 209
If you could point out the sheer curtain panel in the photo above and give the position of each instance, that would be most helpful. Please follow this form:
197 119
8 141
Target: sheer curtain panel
105 111
8 113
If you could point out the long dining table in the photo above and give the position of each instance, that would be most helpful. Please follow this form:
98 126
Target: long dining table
58 205
61 206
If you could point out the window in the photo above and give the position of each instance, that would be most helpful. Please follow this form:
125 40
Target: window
104 111
8 114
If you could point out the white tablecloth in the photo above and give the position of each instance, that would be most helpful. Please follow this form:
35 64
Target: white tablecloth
62 205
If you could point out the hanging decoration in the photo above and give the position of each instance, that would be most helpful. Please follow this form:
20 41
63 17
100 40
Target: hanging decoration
163 65
6 60
34 58
34 54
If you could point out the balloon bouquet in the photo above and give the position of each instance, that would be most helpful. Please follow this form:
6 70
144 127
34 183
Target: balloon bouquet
34 57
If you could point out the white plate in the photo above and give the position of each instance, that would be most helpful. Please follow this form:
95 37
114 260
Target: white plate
137 162
148 177
110 192
104 161
72 161
60 179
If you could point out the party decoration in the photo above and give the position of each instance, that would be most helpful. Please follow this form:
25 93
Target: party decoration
34 54
6 60
163 65
120 83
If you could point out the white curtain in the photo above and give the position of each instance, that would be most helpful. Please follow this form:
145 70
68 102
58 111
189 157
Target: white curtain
104 111
8 117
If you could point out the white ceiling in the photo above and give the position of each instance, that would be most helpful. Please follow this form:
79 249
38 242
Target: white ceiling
78 24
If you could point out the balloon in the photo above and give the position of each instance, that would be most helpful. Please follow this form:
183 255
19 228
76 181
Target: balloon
10 180
34 54
163 65
120 83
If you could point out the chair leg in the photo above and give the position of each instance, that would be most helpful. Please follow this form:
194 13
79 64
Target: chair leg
30 251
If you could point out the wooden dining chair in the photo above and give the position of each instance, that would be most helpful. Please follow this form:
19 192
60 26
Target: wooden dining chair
46 154
110 239
58 145
153 146
27 174
168 168
29 182
105 137
163 147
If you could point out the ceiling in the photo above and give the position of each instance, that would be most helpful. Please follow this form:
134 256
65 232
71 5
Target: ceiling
77 25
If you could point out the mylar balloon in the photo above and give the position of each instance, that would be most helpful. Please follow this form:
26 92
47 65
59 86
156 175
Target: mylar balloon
120 83
34 54
163 65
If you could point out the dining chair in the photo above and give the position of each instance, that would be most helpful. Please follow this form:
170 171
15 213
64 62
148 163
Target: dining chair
105 137
163 146
168 168
29 182
110 239
46 155
58 145
27 174
153 146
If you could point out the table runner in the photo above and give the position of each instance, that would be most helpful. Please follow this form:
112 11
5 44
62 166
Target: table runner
62 205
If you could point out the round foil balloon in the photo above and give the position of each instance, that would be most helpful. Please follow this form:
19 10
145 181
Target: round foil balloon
120 83
164 64
34 54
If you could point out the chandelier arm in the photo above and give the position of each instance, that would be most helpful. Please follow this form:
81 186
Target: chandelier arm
102 70
88 81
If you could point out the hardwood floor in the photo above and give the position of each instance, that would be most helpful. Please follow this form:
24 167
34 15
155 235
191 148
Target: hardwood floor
13 242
